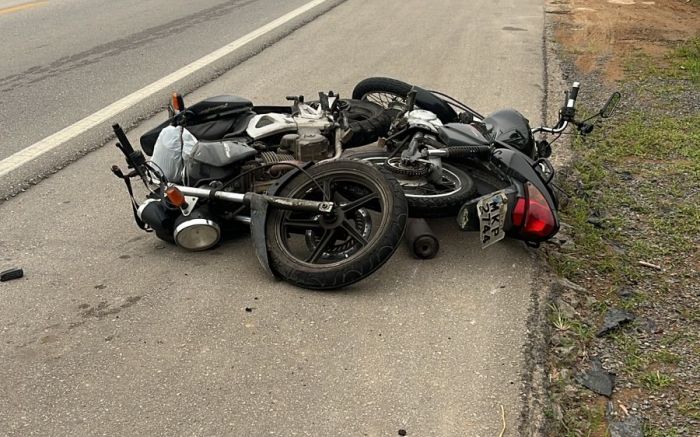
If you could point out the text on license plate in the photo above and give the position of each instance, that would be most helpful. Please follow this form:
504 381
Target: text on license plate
492 211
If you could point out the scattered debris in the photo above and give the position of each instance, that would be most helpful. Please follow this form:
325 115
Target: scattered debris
650 265
630 427
597 222
570 285
626 292
565 308
648 325
503 417
11 274
613 319
597 379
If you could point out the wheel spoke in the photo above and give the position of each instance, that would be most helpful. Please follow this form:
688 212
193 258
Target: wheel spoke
326 239
311 223
326 186
355 204
354 233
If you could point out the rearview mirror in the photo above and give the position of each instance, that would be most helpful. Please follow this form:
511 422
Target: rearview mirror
610 106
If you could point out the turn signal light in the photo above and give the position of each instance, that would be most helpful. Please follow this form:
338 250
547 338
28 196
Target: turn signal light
177 102
176 197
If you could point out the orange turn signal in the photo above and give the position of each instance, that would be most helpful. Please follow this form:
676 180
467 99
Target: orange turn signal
176 197
177 102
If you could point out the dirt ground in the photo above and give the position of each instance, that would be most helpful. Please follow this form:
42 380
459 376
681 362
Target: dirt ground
633 199
603 33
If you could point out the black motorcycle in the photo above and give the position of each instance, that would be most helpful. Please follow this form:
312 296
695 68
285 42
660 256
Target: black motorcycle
488 171
318 226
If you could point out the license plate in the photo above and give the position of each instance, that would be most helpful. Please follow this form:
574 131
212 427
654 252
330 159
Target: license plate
492 210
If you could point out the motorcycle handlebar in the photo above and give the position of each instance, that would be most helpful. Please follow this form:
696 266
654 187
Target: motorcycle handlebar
573 94
462 152
126 146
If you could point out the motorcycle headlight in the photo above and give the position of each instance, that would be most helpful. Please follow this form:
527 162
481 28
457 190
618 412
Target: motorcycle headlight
197 233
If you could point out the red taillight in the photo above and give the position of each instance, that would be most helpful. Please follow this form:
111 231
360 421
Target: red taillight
534 216
518 216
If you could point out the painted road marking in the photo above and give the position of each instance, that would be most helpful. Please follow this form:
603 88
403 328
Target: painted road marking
51 142
21 7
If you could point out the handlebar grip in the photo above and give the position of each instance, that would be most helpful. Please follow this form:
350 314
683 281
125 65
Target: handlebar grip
122 138
469 152
573 94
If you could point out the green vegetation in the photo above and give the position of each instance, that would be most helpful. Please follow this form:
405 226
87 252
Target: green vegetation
633 197
656 380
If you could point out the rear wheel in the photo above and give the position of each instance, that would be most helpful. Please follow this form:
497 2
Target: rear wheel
359 110
425 198
324 252
381 90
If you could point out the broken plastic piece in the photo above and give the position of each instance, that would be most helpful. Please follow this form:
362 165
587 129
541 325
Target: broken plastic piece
11 274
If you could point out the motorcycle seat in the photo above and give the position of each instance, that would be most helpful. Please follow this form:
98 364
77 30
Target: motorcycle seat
220 105
222 153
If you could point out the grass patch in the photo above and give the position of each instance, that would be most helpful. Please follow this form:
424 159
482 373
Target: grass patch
666 357
656 381
691 409
687 59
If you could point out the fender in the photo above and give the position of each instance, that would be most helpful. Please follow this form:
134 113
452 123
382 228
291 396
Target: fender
258 217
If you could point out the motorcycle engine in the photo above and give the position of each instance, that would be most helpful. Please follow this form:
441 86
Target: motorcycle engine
306 147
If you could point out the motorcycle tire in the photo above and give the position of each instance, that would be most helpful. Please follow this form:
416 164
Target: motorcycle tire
426 205
326 255
381 90
384 90
359 110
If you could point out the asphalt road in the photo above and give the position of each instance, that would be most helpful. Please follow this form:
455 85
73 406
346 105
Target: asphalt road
70 58
115 333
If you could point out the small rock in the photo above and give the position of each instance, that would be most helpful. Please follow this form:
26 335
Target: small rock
568 246
597 222
570 285
402 432
631 427
647 325
613 319
597 379
626 292
248 309
564 308
625 175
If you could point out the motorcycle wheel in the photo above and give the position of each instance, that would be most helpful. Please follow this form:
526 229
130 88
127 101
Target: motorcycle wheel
381 90
323 253
359 110
425 199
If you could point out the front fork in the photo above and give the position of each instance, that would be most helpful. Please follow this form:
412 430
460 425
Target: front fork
415 152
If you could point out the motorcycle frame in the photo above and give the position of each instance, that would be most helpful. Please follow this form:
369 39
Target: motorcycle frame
258 204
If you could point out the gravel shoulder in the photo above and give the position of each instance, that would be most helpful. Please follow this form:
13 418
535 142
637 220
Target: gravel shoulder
624 315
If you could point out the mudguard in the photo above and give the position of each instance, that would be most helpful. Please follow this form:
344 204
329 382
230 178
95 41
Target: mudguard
258 217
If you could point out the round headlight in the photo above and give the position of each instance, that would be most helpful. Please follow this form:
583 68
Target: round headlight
197 234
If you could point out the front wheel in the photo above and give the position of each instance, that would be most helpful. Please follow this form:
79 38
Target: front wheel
325 252
425 198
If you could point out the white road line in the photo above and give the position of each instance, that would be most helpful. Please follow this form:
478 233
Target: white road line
51 142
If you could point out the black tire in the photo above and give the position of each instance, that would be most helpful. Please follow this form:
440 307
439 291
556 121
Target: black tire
372 88
342 259
424 205
359 110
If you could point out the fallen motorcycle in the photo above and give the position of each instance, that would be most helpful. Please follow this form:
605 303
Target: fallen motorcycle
318 226
303 131
488 171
